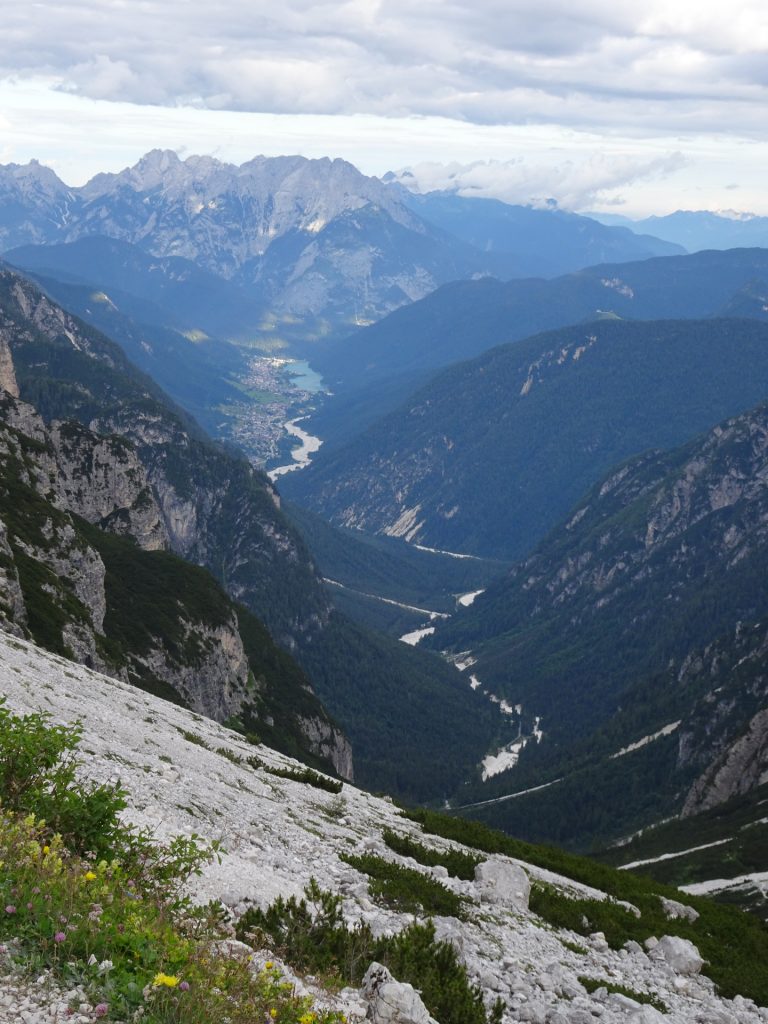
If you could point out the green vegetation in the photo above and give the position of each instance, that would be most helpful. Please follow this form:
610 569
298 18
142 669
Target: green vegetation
734 944
416 728
456 862
592 984
311 934
735 839
114 919
307 775
406 889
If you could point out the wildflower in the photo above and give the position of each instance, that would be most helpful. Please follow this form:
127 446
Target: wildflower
100 1009
169 980
307 1018
59 937
29 906
273 1013
184 986
36 891
46 850
10 909
269 965
89 876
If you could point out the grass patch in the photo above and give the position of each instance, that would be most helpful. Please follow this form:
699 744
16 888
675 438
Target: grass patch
117 922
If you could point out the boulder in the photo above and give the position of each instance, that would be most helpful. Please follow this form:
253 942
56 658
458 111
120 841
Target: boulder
681 955
674 910
390 1001
498 881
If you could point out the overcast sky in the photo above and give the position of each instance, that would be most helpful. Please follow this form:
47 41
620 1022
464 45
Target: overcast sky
601 104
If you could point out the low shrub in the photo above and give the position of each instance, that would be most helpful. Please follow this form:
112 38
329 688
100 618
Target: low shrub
406 889
308 775
733 944
456 863
311 934
593 984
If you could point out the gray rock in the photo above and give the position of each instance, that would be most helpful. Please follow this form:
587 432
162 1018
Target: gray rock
674 910
498 881
390 1001
681 955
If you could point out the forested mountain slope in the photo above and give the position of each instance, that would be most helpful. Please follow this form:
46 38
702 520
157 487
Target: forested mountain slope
492 453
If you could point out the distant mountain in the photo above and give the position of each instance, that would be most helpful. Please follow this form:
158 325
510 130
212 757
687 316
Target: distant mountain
546 242
699 229
307 247
635 637
489 455
468 317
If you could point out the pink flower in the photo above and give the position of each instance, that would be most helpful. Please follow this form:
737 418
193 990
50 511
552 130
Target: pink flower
59 937
10 909
184 986
100 1009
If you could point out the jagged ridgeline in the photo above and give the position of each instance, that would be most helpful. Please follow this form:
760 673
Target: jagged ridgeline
134 466
637 632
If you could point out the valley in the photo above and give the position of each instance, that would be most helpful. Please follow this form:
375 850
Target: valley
489 544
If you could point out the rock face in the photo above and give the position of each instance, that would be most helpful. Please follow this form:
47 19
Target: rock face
63 585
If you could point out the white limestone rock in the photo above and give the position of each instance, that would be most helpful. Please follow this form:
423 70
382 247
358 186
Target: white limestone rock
498 881
681 954
390 1001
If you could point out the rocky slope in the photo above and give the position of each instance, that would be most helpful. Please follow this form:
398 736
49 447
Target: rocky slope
181 775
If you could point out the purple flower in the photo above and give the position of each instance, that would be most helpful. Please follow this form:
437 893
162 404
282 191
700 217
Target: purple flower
29 906
184 986
10 909
100 1009
36 891
59 937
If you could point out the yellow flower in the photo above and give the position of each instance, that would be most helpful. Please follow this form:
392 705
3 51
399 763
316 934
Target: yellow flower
89 876
273 1013
307 1018
269 965
46 849
169 980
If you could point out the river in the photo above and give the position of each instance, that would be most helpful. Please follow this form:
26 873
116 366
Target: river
302 455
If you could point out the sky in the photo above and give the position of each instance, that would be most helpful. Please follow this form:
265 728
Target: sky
630 108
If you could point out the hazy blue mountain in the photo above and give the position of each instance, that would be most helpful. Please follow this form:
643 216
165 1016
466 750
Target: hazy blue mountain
491 453
468 317
546 242
310 248
699 229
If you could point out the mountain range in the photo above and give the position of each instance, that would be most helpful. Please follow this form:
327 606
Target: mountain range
297 248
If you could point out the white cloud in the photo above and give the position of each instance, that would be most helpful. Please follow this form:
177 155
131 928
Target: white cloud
573 184
657 66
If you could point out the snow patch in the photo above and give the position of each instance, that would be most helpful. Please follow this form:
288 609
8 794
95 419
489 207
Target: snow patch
667 730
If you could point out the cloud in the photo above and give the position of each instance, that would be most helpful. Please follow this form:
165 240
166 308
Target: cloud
596 64
575 185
